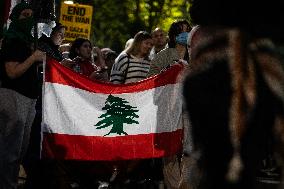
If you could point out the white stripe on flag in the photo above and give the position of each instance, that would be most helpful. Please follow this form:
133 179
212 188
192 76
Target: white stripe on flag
73 111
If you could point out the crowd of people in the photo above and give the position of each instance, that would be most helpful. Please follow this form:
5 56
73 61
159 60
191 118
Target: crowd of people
233 94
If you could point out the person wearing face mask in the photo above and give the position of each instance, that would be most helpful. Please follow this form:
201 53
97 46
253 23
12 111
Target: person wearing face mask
18 93
175 53
177 48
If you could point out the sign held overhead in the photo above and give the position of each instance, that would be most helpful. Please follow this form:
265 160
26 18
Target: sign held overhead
77 19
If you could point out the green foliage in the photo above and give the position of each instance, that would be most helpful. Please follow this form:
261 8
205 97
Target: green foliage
115 21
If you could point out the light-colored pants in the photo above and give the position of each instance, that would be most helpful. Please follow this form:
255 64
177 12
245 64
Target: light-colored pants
16 117
179 174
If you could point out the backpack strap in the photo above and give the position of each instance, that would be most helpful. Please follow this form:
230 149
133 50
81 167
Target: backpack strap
126 70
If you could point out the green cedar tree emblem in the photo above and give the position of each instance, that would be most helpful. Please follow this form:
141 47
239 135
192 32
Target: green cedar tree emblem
118 112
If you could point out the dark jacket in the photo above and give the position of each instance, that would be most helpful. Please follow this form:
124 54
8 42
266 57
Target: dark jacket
46 44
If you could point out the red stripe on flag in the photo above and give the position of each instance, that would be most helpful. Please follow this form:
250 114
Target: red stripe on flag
57 73
77 147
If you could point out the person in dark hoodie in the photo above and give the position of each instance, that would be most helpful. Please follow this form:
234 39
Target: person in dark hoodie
37 170
18 93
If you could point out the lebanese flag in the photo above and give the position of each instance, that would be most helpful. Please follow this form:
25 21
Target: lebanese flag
92 120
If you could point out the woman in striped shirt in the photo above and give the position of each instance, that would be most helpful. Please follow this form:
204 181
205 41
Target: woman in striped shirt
133 64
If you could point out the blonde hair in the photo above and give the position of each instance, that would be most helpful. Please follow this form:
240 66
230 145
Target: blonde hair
134 47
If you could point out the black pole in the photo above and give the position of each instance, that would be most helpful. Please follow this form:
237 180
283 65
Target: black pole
35 36
34 6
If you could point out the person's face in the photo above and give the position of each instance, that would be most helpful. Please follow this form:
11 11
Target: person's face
85 51
185 28
159 38
58 36
146 46
26 13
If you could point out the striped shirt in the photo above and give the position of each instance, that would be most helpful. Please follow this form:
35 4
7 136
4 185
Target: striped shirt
137 69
